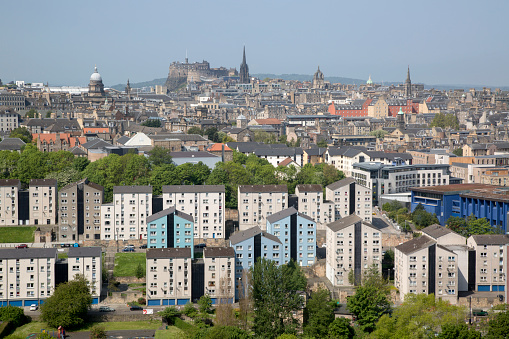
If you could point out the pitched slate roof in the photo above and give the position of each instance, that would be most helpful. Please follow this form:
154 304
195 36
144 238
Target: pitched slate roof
416 244
75 252
11 144
218 252
344 222
436 231
132 189
491 239
309 188
341 183
162 253
43 182
263 188
240 236
27 253
167 211
193 188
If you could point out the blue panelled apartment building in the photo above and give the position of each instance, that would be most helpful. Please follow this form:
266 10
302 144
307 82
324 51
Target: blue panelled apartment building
462 200
297 233
170 228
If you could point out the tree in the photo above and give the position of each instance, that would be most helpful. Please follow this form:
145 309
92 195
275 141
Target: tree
205 304
48 114
478 226
152 123
195 130
23 133
318 314
226 332
98 332
340 328
498 327
13 314
68 305
32 113
225 314
445 121
169 314
80 163
322 143
245 302
458 331
140 272
213 134
420 314
458 225
275 297
421 218
159 155
370 300
65 176
379 133
189 310
458 152
32 164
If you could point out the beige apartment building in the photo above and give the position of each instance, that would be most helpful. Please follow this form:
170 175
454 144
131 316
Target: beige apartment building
80 211
9 194
168 276
27 275
125 218
353 246
42 201
205 203
436 262
350 197
219 277
310 203
256 202
490 263
87 262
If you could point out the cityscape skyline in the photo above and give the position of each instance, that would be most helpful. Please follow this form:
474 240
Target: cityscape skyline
452 43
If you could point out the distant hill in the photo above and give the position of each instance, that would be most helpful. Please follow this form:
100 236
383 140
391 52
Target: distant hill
307 77
151 83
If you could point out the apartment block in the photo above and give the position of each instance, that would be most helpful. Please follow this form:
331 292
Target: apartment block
353 246
348 198
170 228
205 203
80 211
9 193
256 202
27 276
249 245
87 261
219 277
126 217
311 203
488 262
9 120
168 276
297 233
42 201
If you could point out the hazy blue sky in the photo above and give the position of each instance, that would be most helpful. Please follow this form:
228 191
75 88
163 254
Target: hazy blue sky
445 42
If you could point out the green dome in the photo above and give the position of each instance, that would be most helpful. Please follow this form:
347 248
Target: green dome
401 111
369 82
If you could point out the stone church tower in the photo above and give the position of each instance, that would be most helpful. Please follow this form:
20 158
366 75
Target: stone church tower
408 84
318 79
244 70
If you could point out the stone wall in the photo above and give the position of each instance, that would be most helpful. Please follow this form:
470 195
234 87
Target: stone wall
393 240
124 297
480 302
130 280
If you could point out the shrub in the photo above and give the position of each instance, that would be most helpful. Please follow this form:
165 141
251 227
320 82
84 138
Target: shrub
190 311
13 314
98 332
142 301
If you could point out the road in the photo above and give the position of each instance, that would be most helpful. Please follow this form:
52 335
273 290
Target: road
120 334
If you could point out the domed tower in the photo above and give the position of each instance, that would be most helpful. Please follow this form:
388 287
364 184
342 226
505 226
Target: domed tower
318 79
241 121
369 82
401 119
96 87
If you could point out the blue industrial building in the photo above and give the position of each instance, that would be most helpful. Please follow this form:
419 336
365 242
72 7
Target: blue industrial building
297 233
462 200
170 228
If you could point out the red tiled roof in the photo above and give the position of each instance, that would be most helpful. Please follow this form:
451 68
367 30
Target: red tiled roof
218 147
286 162
270 121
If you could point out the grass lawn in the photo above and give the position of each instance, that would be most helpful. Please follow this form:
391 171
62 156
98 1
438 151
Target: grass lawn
17 234
125 325
32 327
170 333
126 263
63 255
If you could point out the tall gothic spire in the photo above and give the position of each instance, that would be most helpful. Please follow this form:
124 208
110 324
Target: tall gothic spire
244 70
408 75
244 56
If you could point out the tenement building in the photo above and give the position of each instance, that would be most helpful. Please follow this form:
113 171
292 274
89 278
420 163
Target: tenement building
257 202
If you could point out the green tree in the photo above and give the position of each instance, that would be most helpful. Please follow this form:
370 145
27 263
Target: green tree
165 174
445 121
31 165
340 328
152 123
318 314
458 331
287 336
159 156
275 298
498 327
23 133
48 114
205 304
379 133
98 332
189 310
370 301
169 314
68 305
140 272
80 163
458 225
212 134
478 226
458 152
226 332
421 218
392 205
331 174
322 143
195 130
239 158
13 314
32 113
65 176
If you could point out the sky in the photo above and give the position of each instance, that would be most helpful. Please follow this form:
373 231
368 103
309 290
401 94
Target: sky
444 42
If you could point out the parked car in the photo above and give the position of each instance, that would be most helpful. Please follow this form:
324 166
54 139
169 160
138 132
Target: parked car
106 309
128 249
479 313
135 308
200 245
143 246
65 245
22 246
129 246
34 307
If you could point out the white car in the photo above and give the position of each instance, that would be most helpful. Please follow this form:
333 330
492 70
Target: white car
33 307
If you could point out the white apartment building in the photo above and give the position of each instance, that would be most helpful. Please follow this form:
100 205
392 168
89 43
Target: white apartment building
349 197
205 203
27 276
343 158
43 201
353 246
9 194
87 261
219 277
256 202
126 217
9 120
168 276
310 203
490 264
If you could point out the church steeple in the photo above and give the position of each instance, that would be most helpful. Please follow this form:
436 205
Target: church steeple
244 70
408 84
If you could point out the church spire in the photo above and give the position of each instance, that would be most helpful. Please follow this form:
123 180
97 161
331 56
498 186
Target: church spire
244 56
244 70
408 75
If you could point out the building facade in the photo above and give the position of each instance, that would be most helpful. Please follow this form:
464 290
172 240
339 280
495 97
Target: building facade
87 262
205 203
9 195
219 275
310 203
349 197
42 200
257 202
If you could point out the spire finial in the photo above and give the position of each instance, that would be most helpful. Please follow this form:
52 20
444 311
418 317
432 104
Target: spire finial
244 55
